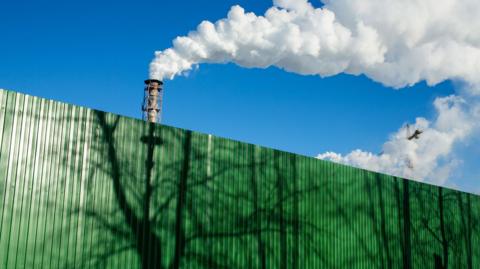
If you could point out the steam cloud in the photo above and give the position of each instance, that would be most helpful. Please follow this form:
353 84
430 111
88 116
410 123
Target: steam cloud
394 42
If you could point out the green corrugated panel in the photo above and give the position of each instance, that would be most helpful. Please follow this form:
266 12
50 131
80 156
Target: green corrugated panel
86 189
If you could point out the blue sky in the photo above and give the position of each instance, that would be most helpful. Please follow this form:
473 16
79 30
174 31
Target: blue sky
85 52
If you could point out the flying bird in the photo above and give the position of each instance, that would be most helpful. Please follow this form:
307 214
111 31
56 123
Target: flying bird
415 135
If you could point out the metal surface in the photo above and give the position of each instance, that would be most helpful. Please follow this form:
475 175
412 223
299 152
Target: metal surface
86 189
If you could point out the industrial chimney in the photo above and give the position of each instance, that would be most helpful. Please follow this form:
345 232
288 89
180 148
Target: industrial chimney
152 101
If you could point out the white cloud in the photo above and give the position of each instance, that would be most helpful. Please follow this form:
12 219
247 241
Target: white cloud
427 158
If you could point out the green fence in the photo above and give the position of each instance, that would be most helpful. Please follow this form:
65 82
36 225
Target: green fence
86 189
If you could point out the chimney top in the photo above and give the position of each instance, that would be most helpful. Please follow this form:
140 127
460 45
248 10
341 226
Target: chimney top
148 81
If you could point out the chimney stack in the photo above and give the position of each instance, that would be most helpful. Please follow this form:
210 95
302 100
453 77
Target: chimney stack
152 103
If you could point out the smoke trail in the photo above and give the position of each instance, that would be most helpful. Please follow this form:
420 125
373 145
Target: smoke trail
394 42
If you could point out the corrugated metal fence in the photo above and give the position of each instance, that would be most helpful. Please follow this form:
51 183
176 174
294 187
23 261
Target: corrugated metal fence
86 189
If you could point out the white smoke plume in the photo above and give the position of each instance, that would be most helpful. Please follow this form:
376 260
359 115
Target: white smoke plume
395 42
